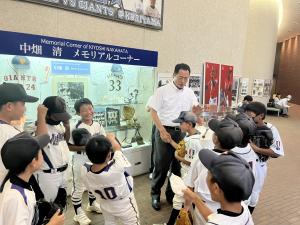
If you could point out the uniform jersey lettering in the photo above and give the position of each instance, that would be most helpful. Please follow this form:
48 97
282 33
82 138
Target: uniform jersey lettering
56 138
107 193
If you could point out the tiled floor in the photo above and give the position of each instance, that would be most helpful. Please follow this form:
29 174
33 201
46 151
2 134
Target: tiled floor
280 199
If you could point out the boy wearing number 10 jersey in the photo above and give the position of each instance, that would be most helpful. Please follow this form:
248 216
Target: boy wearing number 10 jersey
107 179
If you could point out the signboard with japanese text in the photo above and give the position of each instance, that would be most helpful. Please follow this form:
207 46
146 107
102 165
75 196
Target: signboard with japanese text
145 13
44 71
13 43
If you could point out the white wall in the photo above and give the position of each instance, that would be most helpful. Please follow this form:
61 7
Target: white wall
194 31
241 33
261 41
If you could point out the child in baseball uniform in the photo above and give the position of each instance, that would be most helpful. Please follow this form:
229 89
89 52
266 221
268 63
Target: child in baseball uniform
22 156
192 146
84 108
230 181
244 150
109 182
52 176
227 135
268 146
12 107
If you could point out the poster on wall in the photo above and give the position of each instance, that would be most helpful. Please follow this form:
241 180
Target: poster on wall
145 13
195 83
226 85
267 88
244 86
211 83
235 90
258 87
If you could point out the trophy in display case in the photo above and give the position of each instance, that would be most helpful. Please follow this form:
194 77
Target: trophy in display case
128 114
137 136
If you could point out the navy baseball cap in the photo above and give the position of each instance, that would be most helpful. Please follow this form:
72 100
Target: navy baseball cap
228 132
232 173
10 92
256 107
57 108
18 151
186 116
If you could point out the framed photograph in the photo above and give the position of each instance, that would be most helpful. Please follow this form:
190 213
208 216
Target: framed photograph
196 84
258 87
244 86
70 89
100 115
267 88
164 78
235 90
112 116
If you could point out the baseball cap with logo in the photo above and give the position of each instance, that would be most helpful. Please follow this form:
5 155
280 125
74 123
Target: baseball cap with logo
228 132
10 92
232 173
57 108
18 151
186 116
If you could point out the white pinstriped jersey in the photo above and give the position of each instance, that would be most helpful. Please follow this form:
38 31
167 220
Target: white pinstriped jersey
112 183
57 150
248 154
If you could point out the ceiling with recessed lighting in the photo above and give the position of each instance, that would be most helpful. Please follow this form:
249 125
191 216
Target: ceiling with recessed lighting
290 25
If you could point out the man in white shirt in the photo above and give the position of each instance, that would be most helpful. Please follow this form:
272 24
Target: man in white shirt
167 103
283 105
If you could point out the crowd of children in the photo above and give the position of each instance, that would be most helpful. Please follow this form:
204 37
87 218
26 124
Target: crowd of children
223 182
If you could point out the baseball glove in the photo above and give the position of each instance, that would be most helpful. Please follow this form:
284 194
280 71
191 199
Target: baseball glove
46 210
181 149
81 136
183 218
128 112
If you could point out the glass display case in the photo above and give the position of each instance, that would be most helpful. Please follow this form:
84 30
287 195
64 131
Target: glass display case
119 92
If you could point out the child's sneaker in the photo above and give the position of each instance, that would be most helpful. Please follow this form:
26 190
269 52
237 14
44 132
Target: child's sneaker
81 218
95 207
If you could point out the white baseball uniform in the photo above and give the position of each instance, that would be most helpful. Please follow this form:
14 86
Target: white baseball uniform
113 188
6 132
250 156
192 147
17 203
78 160
261 166
196 178
57 152
226 218
206 137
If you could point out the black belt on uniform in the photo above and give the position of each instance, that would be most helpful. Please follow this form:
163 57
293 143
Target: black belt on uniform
80 153
55 170
172 128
